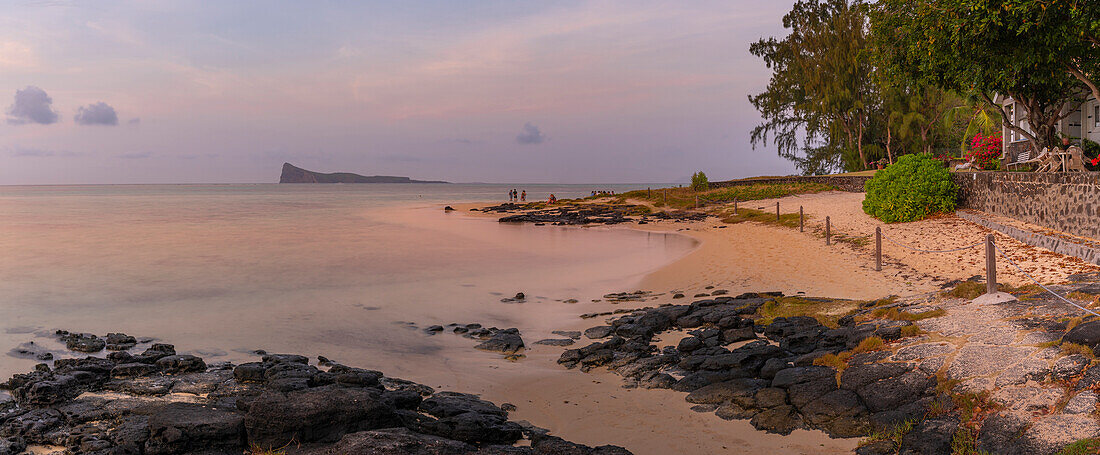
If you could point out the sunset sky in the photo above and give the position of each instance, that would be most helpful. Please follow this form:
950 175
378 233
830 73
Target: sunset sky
489 91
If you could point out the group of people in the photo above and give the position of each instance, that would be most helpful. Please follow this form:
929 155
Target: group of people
596 192
514 195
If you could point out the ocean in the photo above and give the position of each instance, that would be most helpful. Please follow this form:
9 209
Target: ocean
351 272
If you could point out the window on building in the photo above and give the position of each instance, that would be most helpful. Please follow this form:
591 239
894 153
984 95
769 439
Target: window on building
1096 115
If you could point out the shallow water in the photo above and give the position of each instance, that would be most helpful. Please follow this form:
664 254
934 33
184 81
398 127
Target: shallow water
333 270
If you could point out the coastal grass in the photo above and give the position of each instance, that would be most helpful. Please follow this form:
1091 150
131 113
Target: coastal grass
968 290
827 311
684 198
838 361
1082 447
1074 348
256 449
869 344
894 314
759 216
910 331
893 434
965 442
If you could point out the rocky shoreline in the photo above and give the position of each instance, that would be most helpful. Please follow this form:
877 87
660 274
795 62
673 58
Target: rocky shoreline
540 213
161 402
929 374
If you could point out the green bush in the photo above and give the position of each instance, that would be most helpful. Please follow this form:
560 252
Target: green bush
914 188
699 181
1091 150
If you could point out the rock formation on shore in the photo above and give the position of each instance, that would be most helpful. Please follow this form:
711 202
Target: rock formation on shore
294 174
922 375
160 402
581 214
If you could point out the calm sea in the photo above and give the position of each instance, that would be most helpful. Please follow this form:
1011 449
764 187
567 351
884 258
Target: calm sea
335 270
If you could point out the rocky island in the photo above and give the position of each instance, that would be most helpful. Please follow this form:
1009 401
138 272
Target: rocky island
294 174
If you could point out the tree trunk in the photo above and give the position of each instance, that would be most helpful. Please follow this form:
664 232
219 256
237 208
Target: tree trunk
889 154
859 143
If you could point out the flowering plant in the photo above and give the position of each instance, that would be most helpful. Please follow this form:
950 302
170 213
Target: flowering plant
984 149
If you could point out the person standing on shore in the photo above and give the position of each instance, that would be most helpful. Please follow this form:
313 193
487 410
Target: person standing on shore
523 196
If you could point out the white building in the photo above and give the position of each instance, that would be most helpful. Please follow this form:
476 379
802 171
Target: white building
1082 123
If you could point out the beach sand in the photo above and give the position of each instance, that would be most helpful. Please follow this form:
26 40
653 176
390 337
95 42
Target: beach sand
592 408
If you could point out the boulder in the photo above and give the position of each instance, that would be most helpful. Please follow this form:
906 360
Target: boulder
805 384
930 436
178 428
889 394
1087 333
740 391
782 420
840 413
323 414
175 364
394 441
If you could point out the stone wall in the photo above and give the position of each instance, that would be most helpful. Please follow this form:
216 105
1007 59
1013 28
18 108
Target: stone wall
1068 202
850 183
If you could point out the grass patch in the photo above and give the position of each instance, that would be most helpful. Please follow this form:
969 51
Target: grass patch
893 313
684 198
972 405
857 240
1074 348
758 216
1048 344
893 434
1073 322
968 290
826 311
1082 296
944 385
256 449
910 331
965 442
869 344
836 361
1082 447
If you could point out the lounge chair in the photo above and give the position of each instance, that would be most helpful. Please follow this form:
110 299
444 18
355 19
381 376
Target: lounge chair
1022 159
1076 159
965 166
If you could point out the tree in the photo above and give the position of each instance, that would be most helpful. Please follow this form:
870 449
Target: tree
820 86
1023 49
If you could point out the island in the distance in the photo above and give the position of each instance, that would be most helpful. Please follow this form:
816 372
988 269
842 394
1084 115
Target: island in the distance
294 174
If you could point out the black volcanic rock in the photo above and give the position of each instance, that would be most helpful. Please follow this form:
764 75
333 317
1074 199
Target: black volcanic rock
294 174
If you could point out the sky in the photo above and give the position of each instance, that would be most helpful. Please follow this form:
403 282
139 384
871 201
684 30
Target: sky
157 91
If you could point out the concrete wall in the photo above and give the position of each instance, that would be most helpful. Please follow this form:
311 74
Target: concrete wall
852 184
1067 202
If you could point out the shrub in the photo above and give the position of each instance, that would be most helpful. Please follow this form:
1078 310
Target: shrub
699 181
1092 154
916 187
985 150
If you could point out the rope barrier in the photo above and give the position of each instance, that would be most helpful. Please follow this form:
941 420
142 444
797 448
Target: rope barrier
888 239
1010 261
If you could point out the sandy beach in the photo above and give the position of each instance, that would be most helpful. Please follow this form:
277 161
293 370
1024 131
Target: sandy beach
752 257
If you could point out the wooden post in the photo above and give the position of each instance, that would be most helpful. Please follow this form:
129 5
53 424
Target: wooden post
735 206
828 234
696 201
648 192
878 249
776 211
801 220
990 265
